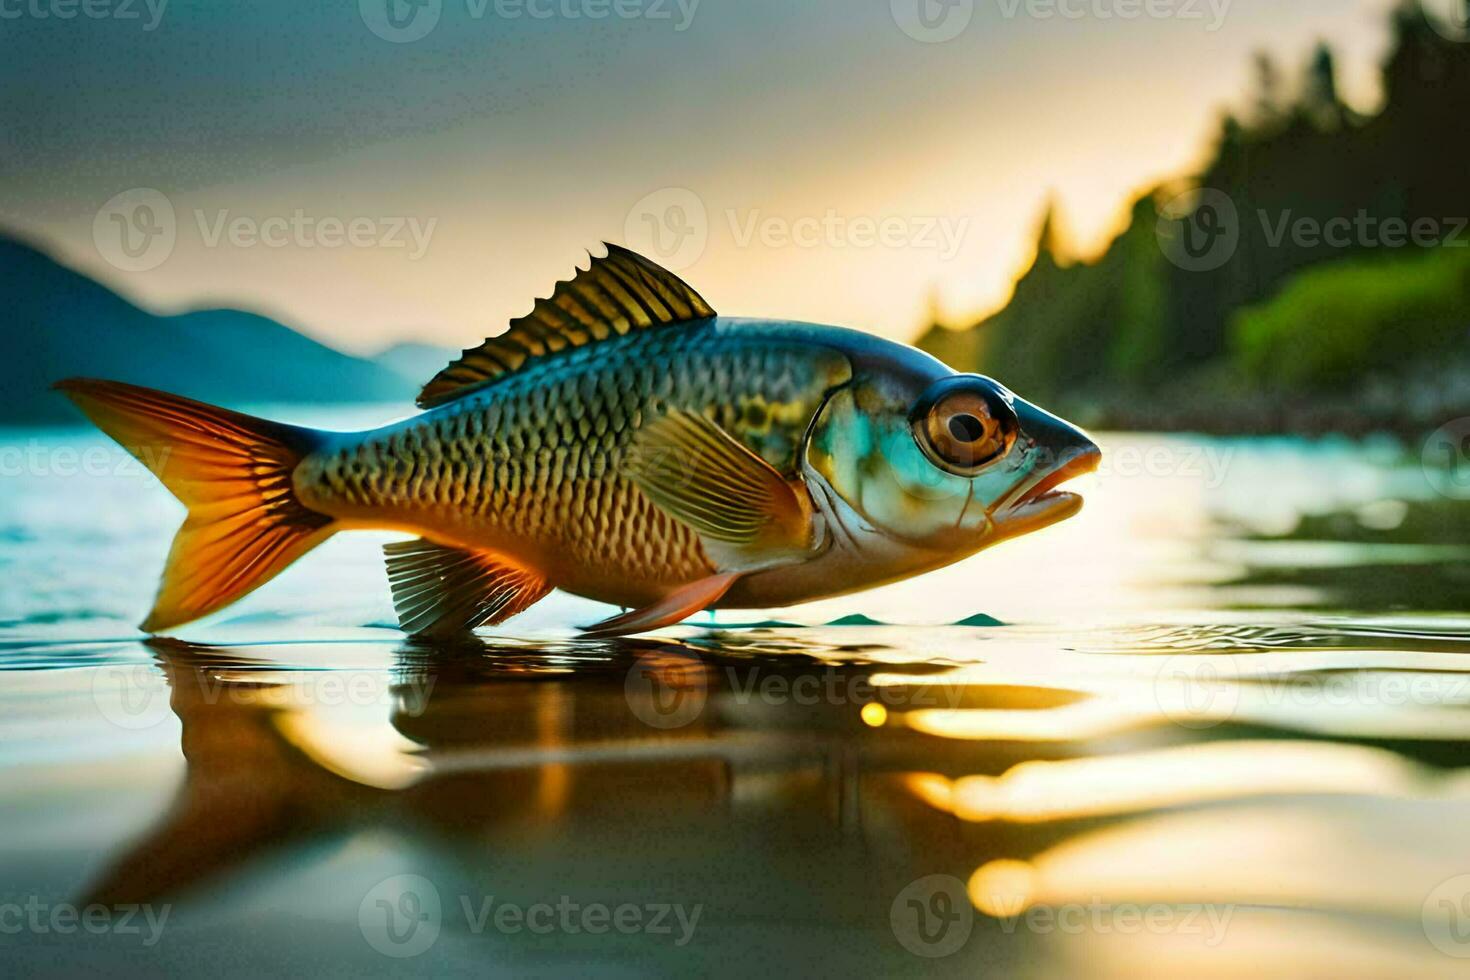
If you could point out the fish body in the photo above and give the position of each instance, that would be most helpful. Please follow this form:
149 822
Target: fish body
625 443
534 466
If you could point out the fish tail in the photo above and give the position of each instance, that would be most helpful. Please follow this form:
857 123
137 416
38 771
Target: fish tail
233 472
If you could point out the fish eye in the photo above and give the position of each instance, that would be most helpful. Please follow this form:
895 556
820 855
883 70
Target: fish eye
964 424
966 427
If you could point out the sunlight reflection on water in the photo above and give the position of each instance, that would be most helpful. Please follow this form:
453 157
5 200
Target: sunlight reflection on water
1229 715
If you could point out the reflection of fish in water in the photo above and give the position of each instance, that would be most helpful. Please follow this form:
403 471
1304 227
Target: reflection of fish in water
625 443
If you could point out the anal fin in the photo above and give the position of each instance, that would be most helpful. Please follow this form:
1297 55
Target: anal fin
677 605
441 591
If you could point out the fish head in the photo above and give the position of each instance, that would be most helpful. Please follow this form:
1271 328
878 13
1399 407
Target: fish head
926 460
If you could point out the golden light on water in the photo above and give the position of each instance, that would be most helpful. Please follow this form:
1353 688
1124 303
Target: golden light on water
553 781
372 755
1038 791
1003 888
1356 852
932 788
874 714
1087 719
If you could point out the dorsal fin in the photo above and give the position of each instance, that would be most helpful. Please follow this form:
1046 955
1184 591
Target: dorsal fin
619 292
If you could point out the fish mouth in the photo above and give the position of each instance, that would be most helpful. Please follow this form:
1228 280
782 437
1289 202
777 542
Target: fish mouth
1042 504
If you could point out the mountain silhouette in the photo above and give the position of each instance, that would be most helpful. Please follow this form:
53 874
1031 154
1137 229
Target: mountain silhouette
57 323
416 362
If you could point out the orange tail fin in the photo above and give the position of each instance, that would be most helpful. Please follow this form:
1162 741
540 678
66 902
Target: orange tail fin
232 471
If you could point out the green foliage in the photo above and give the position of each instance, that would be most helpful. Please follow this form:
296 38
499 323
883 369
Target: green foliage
1140 353
1294 312
1335 322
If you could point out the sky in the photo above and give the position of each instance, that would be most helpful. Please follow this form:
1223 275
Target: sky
371 171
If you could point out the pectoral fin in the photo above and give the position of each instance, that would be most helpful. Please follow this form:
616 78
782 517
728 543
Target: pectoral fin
440 591
671 609
699 475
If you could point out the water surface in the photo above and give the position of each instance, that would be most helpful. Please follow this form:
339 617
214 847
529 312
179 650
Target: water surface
1217 725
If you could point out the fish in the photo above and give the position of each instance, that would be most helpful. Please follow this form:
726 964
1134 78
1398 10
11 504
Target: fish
622 442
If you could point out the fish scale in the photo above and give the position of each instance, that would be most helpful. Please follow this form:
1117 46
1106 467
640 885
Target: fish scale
533 464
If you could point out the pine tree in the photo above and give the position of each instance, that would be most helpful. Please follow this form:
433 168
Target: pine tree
1320 101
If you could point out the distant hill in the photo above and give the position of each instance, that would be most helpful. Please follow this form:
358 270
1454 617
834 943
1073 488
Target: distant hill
417 363
56 323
